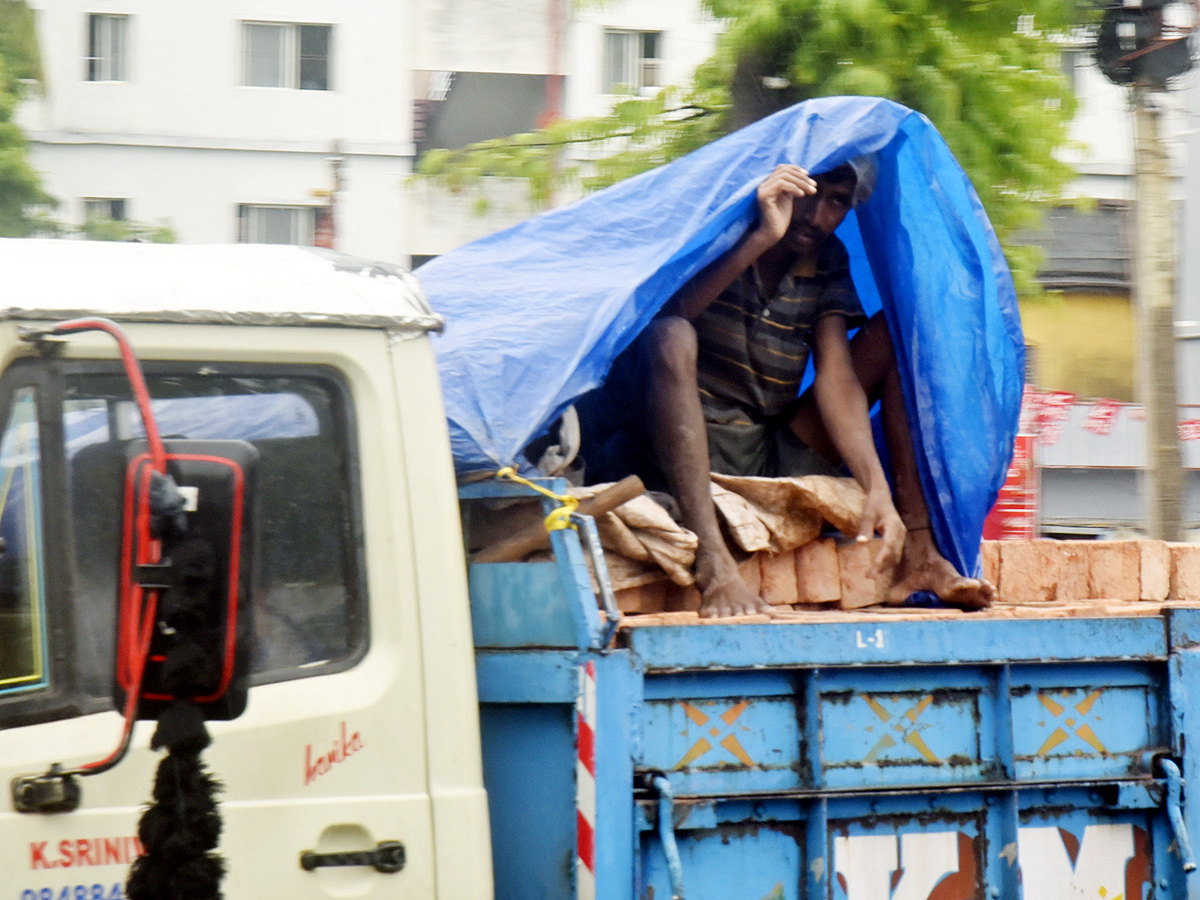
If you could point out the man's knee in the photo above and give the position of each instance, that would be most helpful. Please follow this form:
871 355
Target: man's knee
671 347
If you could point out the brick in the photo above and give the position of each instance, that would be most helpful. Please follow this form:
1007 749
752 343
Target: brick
1114 570
672 618
645 598
777 573
859 586
1043 571
1185 571
1155 569
818 579
989 558
682 599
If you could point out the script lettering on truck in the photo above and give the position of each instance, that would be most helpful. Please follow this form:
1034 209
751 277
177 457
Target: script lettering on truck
343 748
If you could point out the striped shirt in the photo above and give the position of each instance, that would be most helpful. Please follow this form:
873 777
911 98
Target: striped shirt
753 349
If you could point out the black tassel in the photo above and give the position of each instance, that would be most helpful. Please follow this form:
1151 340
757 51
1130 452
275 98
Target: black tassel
180 829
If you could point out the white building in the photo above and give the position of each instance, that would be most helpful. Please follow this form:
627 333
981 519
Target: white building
224 119
484 70
219 118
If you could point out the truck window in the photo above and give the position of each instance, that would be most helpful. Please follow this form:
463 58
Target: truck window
22 608
309 607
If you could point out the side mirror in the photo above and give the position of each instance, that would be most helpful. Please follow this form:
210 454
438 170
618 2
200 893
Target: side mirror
187 554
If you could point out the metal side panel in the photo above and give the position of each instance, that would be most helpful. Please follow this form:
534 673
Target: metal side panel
558 733
959 642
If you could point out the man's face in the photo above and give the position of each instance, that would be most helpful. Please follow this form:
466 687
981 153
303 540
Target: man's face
816 217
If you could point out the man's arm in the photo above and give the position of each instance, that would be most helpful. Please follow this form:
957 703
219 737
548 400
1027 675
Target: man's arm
775 196
845 412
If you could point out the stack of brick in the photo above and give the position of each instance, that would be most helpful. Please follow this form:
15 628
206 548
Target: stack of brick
1045 575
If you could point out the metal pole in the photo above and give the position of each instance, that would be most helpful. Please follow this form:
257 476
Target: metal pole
1154 294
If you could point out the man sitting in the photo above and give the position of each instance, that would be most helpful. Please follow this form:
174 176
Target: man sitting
712 385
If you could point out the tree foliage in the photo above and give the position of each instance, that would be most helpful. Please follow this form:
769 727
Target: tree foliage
21 194
998 97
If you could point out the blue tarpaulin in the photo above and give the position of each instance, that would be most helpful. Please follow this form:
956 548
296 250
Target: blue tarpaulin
536 314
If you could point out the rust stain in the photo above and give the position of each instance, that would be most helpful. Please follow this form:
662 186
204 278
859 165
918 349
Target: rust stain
1137 871
964 883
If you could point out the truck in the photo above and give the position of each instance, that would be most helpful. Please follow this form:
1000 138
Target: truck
415 725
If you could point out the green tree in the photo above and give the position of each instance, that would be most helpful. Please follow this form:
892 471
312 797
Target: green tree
22 200
996 94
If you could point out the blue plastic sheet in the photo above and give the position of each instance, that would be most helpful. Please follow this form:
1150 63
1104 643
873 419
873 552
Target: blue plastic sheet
537 313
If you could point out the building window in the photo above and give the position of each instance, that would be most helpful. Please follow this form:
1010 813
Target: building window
263 224
100 208
286 55
631 60
107 48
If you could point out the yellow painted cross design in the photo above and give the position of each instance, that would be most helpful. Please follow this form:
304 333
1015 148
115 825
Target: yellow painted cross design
720 730
1083 730
910 729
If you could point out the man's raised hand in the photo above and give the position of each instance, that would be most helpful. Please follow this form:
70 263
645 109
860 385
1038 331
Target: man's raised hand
775 196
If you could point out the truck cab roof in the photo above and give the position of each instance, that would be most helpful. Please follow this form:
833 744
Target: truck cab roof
217 284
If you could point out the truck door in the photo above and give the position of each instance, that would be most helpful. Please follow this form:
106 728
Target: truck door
328 757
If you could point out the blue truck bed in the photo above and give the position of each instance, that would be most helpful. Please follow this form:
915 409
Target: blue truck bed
915 759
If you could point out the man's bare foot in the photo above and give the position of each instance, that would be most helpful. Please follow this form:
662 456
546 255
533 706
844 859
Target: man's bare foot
723 592
923 568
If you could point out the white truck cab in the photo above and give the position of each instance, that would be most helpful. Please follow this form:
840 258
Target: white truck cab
361 724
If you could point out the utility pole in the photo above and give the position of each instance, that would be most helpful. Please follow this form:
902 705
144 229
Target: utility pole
1145 44
1154 295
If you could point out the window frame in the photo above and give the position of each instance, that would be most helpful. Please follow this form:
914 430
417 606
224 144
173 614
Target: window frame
639 64
61 697
291 64
305 228
108 64
343 430
91 208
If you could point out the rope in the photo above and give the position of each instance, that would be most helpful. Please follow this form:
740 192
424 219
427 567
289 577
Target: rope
557 519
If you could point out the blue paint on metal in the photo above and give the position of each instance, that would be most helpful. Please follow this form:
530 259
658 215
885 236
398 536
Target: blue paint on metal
577 593
932 726
717 683
525 604
529 773
1185 721
1184 626
1175 813
666 834
590 539
1064 733
973 757
726 745
755 862
899 643
818 852
520 605
527 676
618 712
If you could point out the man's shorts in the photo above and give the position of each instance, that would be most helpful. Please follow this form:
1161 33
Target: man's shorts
738 445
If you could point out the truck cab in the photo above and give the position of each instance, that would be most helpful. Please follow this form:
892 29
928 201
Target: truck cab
354 734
